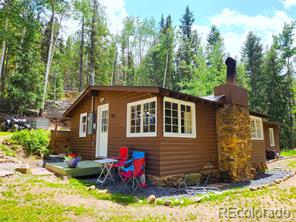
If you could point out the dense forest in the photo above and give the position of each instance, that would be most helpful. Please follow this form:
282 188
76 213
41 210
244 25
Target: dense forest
37 64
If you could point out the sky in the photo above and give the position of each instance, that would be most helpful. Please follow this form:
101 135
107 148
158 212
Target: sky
234 18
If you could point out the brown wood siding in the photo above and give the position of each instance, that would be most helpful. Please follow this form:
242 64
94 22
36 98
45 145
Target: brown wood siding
258 151
117 128
59 141
164 156
186 155
266 127
81 145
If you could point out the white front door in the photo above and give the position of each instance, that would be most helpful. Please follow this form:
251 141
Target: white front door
102 131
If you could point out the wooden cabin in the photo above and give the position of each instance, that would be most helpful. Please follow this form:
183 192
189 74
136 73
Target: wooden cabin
180 134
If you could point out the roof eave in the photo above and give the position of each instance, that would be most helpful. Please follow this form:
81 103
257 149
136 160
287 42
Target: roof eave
263 115
145 89
81 97
88 91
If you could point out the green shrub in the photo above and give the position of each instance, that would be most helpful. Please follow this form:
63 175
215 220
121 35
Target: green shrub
33 141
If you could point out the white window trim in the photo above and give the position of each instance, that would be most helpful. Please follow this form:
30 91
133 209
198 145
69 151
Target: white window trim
261 128
271 139
179 134
81 133
128 118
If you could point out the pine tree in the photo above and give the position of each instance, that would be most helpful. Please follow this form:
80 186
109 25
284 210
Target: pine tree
199 84
83 14
214 40
184 60
70 65
242 78
158 67
56 8
275 93
56 80
288 51
161 24
167 45
252 54
187 21
215 58
24 85
130 69
209 69
127 43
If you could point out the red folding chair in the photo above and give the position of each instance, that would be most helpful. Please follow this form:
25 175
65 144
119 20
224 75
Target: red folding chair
132 175
123 156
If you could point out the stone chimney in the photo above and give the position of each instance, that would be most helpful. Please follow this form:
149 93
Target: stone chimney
233 129
231 70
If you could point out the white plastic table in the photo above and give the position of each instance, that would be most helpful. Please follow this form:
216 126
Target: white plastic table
106 166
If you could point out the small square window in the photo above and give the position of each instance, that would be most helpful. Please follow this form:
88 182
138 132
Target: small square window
271 137
83 125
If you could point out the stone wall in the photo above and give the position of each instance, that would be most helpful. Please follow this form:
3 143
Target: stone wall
167 181
260 167
190 179
234 143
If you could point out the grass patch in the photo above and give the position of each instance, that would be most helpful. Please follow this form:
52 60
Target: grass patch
18 203
12 210
292 163
33 198
82 186
5 133
7 151
288 153
234 194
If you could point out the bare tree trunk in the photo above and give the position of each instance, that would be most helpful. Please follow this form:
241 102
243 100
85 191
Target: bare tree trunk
291 103
92 45
5 70
21 43
114 66
3 48
52 44
166 69
54 88
127 62
49 58
140 51
81 57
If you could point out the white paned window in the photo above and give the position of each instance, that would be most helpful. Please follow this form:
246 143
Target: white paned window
256 128
179 118
141 118
271 137
104 121
83 125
